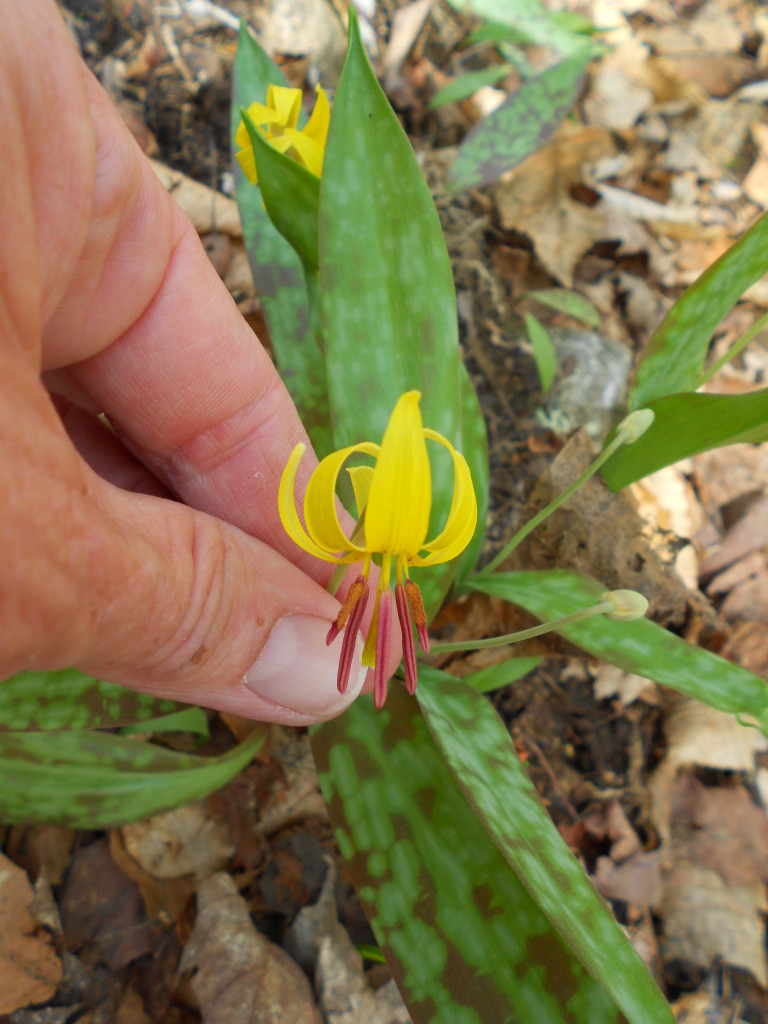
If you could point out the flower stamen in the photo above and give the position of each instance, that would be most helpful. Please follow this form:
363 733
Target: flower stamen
383 628
418 613
356 591
350 636
406 629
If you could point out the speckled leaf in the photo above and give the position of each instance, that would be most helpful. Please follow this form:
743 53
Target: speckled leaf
569 302
464 86
674 358
99 780
191 719
389 307
277 271
640 646
502 674
68 699
479 751
466 942
686 425
529 16
521 125
475 449
544 354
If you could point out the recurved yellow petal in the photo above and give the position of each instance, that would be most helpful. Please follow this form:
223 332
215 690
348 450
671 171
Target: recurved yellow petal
360 477
400 498
286 503
320 500
462 516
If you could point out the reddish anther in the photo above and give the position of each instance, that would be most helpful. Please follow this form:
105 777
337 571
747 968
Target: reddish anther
419 615
384 627
409 650
349 641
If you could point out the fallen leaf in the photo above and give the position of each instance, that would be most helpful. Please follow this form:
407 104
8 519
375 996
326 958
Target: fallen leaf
38 848
185 841
716 74
322 945
535 198
294 793
29 967
407 23
241 977
637 881
725 474
714 900
618 94
101 910
627 687
749 533
698 735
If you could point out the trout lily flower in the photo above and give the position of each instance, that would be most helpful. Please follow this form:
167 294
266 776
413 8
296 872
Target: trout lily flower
394 501
277 122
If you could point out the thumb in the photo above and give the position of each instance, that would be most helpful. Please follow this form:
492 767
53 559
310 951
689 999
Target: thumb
142 590
199 611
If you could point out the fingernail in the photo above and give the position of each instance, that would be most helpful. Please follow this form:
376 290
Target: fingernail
298 671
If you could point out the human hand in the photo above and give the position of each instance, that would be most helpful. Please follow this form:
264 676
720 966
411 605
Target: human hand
151 555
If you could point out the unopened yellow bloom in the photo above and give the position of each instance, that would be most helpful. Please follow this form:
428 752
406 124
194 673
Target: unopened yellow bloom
394 500
277 122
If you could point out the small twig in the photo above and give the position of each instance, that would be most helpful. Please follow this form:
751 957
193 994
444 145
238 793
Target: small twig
551 775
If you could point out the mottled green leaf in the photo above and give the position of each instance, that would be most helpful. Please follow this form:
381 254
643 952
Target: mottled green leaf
464 86
475 451
492 32
538 25
685 425
505 672
521 125
290 193
99 780
544 354
479 751
389 307
277 271
68 699
640 646
464 939
566 301
192 720
674 358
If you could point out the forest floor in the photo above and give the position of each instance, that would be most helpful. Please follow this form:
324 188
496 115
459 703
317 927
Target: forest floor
661 167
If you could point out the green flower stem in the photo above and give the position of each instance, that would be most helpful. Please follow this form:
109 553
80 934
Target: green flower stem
554 505
602 608
734 350
628 431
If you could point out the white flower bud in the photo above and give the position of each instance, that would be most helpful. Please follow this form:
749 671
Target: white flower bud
627 605
635 425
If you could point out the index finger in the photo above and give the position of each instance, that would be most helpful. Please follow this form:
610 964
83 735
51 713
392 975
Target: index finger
170 358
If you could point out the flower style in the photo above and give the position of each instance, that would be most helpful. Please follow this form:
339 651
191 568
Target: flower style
394 501
277 123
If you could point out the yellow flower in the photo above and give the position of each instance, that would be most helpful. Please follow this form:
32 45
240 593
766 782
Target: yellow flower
394 501
277 123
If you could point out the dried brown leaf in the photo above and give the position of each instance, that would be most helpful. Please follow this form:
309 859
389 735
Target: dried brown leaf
535 198
242 977
29 967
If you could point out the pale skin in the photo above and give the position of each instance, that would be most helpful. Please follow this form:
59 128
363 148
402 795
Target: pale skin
151 555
